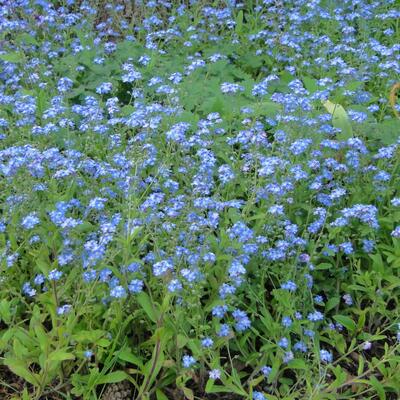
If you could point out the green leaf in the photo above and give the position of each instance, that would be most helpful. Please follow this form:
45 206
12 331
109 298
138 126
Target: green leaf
19 368
340 119
160 395
380 390
188 393
103 342
310 84
145 302
323 266
239 22
14 57
332 303
297 364
88 336
112 377
27 39
347 322
60 355
126 355
5 312
181 341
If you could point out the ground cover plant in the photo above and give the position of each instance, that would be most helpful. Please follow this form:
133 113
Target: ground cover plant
199 200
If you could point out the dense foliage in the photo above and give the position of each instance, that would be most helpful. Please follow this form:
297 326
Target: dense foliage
200 198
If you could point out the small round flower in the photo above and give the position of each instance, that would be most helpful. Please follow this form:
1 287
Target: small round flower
229 88
64 84
289 285
284 343
188 361
224 331
325 356
104 88
396 232
366 345
28 289
214 374
135 286
315 316
39 279
118 292
258 396
162 267
55 275
174 286
368 245
88 353
288 356
266 370
65 309
30 221
318 299
347 299
287 322
396 201
207 342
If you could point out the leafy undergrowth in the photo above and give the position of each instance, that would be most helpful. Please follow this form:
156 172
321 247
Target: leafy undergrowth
199 199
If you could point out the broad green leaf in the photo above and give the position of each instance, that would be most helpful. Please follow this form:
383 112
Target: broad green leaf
5 312
347 322
126 355
14 57
380 390
160 395
88 336
19 368
60 355
297 364
332 303
145 302
112 377
310 84
340 119
239 22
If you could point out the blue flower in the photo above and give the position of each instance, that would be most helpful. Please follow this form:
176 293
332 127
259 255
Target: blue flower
214 374
188 361
207 342
325 356
30 221
55 275
258 396
118 292
162 267
135 286
289 285
315 316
